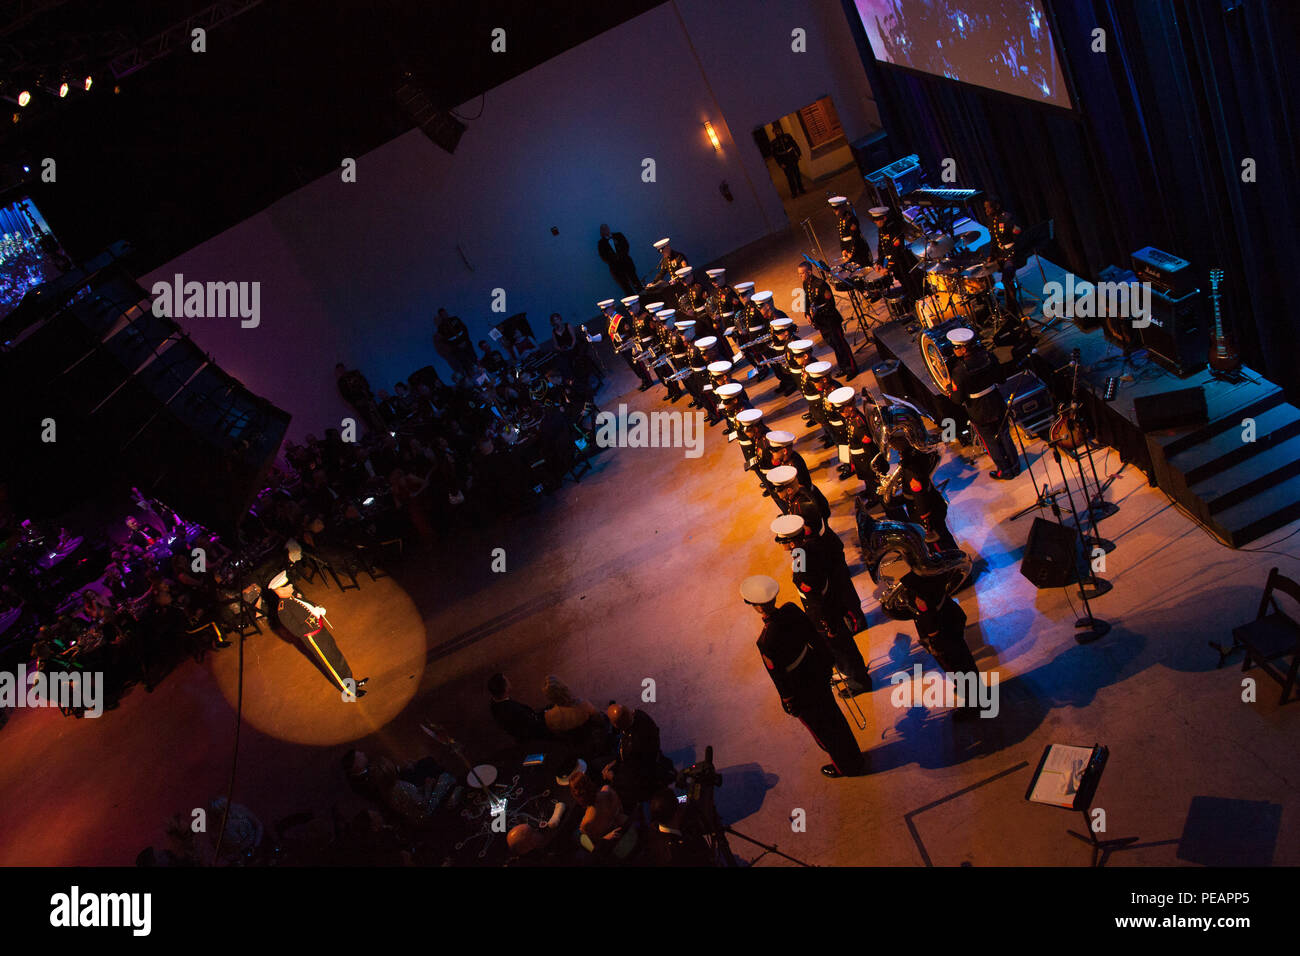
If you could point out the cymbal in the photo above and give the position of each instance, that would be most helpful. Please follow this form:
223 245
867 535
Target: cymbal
966 238
938 247
979 271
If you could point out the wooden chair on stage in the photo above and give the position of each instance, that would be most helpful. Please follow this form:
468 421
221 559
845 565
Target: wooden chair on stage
1272 638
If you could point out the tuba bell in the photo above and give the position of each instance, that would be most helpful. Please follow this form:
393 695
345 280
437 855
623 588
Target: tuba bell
890 549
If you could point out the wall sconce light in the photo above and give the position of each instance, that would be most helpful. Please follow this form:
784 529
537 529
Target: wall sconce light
713 136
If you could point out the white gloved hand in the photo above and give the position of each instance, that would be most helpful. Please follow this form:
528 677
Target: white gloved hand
318 611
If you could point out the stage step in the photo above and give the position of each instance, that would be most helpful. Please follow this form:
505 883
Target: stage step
1227 415
1268 511
1232 486
1225 449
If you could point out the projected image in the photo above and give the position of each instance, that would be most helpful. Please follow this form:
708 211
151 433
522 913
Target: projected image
1004 45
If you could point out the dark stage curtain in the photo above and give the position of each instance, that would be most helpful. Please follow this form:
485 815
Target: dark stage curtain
1152 153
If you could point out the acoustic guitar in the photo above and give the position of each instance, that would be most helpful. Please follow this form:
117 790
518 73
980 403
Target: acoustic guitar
1067 432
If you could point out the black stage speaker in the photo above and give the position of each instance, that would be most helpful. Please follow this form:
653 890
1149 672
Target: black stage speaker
889 376
1176 409
1052 555
1176 337
872 151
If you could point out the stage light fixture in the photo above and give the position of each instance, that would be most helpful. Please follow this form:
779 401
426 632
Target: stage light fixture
24 97
87 83
713 137
63 90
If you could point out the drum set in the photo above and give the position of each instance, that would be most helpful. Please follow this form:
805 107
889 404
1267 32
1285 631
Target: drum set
961 286
960 283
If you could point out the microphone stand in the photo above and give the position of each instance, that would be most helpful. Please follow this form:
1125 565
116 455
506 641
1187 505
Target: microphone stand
1094 539
1089 628
1042 497
1099 586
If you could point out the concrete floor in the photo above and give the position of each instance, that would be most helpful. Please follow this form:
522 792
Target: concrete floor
633 574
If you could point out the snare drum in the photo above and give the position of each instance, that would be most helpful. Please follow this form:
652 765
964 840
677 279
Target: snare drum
877 281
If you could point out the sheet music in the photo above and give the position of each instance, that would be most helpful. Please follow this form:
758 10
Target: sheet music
1062 774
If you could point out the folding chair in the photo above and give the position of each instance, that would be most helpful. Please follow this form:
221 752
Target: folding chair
1272 637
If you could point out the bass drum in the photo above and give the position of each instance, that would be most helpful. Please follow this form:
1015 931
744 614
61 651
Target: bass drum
938 351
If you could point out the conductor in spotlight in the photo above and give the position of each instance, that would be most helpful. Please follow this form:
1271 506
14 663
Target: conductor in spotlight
799 663
307 623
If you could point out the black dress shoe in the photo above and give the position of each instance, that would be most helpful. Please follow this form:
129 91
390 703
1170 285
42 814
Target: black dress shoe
363 682
830 771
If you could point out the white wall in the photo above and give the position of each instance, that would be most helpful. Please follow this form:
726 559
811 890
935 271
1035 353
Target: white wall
355 271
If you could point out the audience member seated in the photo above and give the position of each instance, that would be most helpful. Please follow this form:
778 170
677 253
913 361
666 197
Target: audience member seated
514 717
605 824
574 720
673 839
412 805
639 769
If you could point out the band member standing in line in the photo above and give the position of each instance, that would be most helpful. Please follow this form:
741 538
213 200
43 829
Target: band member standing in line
665 329
819 302
692 301
797 659
811 505
781 444
861 442
816 387
783 333
813 570
622 335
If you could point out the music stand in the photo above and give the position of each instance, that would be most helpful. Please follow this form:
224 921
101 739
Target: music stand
1068 777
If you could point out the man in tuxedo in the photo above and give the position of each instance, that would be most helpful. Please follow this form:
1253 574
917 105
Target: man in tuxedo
613 250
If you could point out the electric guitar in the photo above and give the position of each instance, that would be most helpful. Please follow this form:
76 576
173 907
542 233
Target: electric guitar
1223 356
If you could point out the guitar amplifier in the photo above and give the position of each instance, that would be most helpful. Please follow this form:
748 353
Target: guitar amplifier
1166 272
1175 336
